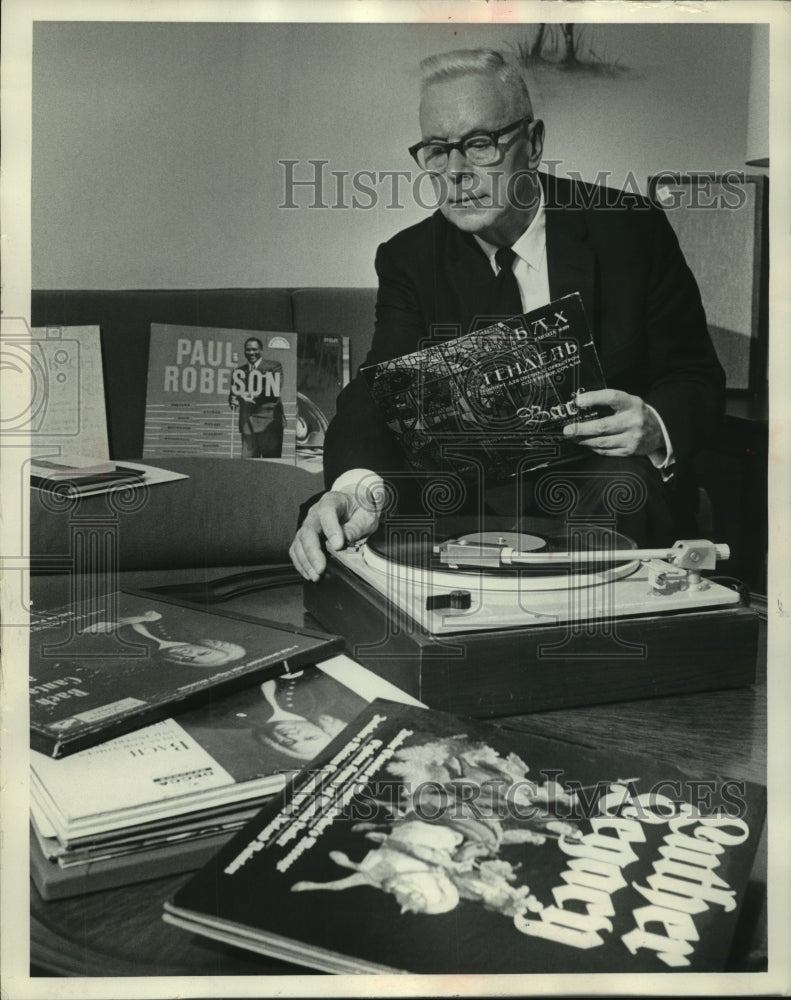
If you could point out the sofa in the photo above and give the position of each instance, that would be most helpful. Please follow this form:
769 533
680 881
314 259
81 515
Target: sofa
227 513
199 524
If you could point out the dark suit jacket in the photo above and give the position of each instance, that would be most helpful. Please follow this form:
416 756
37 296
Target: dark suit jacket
616 249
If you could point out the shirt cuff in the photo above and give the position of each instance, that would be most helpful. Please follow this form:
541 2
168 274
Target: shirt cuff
364 484
663 458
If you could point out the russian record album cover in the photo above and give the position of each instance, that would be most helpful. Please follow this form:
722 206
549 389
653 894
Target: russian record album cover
497 397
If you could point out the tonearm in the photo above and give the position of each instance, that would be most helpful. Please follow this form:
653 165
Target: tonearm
687 557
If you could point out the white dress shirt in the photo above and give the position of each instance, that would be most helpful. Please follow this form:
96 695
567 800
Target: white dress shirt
530 266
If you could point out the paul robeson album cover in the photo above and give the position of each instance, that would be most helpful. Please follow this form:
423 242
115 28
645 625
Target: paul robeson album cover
106 667
497 398
420 842
221 393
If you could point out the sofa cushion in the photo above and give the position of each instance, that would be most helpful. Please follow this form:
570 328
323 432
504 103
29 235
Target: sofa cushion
229 512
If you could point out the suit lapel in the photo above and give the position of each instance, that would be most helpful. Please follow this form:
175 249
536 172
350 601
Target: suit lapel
571 263
469 275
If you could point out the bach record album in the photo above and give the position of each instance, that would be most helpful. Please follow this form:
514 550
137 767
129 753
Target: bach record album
103 668
499 396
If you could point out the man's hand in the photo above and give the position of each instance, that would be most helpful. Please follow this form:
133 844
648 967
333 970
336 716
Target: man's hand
339 517
632 429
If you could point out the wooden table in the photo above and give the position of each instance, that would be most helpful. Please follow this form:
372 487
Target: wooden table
119 932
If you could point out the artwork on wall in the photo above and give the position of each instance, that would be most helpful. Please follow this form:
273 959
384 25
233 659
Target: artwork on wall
566 48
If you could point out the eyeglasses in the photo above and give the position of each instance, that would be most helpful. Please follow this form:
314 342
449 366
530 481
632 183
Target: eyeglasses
478 148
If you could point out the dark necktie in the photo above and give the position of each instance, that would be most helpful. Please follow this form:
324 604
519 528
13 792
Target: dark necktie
507 300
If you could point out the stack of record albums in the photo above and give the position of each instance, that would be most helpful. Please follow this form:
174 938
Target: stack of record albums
158 728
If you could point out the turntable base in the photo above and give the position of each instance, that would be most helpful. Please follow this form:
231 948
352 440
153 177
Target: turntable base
509 671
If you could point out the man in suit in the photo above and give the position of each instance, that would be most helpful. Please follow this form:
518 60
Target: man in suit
508 239
255 393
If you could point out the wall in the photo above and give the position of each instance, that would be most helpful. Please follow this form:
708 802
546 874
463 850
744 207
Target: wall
156 146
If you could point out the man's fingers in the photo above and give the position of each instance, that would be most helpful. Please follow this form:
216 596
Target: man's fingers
616 398
323 520
295 555
604 444
306 554
618 423
330 513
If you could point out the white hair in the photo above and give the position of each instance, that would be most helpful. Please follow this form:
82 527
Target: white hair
488 62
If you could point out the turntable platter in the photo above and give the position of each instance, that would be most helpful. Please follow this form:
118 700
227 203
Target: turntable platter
514 539
412 546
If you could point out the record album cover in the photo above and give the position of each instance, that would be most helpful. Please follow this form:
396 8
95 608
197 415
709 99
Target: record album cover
209 394
497 398
322 371
103 668
424 843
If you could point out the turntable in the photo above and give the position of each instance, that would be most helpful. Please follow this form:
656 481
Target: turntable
498 618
